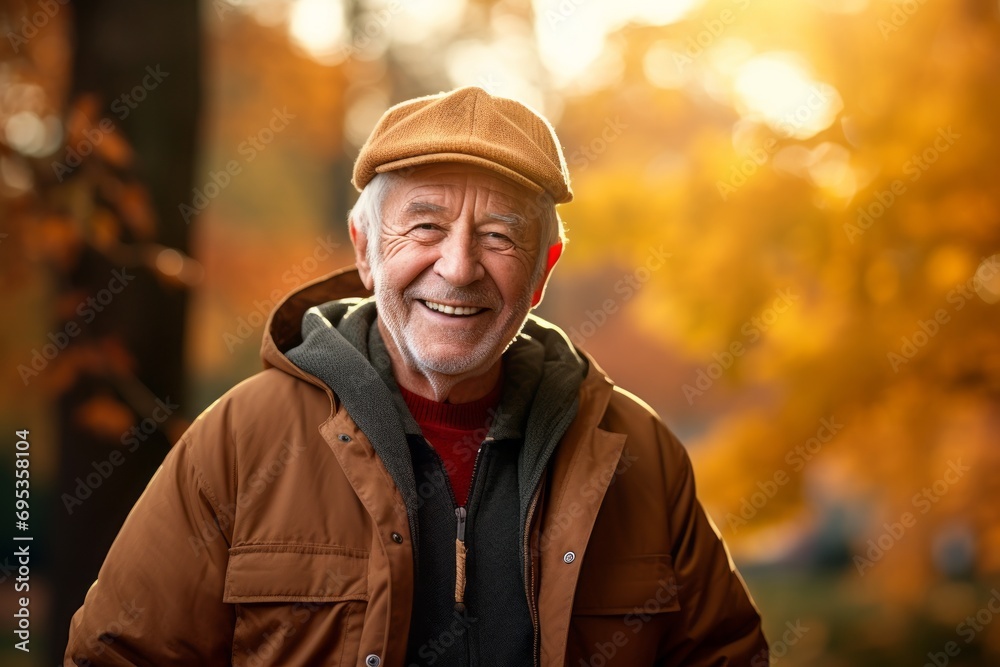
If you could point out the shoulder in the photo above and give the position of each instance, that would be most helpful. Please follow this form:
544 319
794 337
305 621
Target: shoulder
250 422
269 390
269 397
659 455
627 413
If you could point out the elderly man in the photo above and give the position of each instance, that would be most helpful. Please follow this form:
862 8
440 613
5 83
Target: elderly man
429 475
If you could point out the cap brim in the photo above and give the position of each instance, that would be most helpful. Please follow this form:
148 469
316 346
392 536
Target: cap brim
432 158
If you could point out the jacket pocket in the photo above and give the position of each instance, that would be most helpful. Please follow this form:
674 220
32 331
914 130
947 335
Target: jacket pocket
621 610
296 604
627 585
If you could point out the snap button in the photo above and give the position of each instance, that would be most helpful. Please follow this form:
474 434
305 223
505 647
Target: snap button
373 660
569 557
343 437
398 539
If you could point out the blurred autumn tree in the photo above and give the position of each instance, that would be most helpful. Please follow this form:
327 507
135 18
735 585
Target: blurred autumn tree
750 213
825 182
101 213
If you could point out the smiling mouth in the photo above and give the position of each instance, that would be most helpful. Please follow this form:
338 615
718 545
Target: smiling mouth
454 311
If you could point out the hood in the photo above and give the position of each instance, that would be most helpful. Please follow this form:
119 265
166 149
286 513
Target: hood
283 330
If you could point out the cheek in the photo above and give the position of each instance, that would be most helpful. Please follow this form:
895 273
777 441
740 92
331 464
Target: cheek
513 278
404 264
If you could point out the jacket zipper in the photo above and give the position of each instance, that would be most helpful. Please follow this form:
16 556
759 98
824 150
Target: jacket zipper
460 552
461 514
529 575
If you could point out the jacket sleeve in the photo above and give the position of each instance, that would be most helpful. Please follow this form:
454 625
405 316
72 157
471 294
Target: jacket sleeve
721 623
158 597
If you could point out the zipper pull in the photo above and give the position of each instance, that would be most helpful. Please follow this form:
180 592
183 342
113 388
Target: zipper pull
460 515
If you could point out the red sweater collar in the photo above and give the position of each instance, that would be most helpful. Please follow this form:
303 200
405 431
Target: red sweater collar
462 416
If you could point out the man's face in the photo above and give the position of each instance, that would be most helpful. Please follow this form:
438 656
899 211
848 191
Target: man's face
457 253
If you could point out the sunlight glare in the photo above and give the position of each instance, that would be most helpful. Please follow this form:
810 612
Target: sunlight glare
498 67
318 27
775 88
987 280
25 133
418 21
663 65
572 33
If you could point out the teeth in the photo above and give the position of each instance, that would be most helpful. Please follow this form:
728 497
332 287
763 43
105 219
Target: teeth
452 310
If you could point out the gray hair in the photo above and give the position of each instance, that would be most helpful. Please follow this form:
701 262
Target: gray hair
367 218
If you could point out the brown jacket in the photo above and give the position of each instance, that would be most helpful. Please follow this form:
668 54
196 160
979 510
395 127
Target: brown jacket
273 535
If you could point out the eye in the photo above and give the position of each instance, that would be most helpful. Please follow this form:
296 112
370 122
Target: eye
497 241
427 232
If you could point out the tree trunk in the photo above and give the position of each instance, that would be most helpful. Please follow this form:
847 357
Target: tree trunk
142 60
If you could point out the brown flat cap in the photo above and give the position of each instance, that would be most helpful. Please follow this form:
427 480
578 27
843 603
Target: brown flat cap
471 126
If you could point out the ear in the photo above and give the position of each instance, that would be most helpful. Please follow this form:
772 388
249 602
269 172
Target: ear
360 241
555 252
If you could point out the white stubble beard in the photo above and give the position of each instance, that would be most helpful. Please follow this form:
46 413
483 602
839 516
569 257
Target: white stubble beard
442 372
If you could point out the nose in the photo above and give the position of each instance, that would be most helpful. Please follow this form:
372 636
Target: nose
459 262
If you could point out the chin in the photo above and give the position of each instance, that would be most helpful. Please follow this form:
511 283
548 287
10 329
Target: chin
460 362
